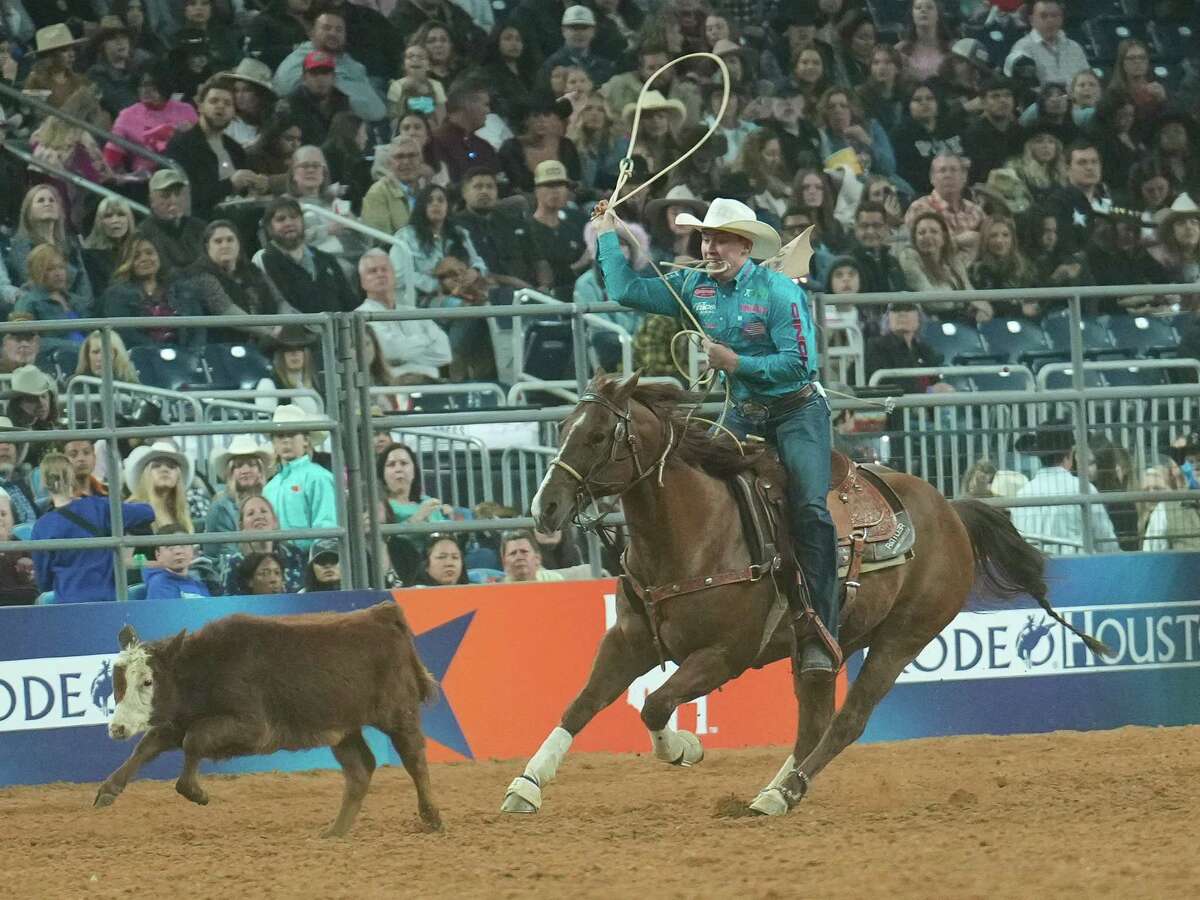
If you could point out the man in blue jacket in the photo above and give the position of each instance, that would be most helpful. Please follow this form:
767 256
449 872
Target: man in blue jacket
78 576
760 334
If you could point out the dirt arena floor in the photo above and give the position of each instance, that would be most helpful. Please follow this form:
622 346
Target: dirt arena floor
1101 814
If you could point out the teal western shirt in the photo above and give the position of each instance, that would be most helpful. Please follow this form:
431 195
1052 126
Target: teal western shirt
760 315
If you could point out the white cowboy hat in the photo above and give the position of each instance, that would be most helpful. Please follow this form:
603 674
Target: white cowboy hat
55 37
32 381
654 101
1183 206
290 412
253 71
241 445
737 218
142 456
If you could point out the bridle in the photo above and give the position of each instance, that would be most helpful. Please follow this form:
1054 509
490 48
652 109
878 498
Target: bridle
623 433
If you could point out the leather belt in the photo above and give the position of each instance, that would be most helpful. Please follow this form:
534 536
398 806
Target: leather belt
778 406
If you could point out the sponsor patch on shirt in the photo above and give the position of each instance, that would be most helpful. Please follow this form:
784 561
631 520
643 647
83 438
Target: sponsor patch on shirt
704 308
753 308
705 291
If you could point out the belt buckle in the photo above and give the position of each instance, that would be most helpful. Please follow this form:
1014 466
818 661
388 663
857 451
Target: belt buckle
753 411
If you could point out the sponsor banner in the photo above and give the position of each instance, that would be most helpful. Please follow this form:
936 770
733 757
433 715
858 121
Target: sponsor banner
61 692
1014 669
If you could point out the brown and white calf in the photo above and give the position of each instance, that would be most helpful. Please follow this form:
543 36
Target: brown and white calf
252 684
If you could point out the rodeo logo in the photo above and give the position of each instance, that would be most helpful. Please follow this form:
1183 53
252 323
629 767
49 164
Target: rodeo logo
1022 643
59 692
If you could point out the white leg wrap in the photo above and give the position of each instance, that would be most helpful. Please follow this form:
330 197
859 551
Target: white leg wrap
679 748
783 773
524 794
770 800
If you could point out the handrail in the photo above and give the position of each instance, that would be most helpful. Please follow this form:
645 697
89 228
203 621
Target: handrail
94 130
352 224
77 180
1115 365
1025 294
930 371
458 387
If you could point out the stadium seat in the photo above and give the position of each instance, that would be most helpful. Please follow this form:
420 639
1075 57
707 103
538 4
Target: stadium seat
549 350
136 592
44 599
1135 376
1013 337
23 532
170 368
1001 381
956 342
482 557
236 366
1172 41
484 576
1096 337
1063 380
1143 335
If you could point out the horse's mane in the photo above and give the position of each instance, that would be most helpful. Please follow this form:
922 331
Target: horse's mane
713 452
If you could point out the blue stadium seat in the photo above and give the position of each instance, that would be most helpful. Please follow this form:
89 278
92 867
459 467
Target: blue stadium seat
23 532
1063 381
1135 376
481 557
1013 337
549 350
956 342
1096 336
1143 335
236 366
170 368
136 592
44 599
1001 381
1172 41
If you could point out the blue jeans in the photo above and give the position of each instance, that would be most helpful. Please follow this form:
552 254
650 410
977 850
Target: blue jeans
804 441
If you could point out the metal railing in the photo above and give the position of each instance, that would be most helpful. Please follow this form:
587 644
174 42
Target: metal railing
78 181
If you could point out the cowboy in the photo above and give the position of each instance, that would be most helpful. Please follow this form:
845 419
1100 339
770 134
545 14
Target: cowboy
244 466
302 491
760 333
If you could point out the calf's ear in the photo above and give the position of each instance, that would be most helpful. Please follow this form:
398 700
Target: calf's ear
171 647
128 638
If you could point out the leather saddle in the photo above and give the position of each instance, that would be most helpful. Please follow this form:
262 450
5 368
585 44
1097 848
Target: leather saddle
873 527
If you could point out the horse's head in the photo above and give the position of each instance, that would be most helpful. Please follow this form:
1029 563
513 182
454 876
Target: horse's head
598 452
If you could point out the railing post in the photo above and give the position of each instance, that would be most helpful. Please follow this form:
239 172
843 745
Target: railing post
377 555
115 510
1083 456
341 382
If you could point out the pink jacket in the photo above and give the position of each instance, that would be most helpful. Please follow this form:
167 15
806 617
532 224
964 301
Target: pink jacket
152 128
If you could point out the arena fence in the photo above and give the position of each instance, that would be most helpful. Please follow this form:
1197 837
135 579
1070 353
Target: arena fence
938 436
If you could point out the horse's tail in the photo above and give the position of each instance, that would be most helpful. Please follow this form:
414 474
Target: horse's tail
1009 565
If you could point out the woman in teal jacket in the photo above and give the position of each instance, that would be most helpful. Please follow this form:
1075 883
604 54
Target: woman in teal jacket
302 492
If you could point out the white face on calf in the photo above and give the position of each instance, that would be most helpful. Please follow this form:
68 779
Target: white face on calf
133 686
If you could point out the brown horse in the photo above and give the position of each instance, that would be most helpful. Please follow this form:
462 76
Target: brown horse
636 442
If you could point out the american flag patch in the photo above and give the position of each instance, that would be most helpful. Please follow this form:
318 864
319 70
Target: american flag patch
754 329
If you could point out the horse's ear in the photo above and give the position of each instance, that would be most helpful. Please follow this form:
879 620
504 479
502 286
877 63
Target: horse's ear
128 638
625 387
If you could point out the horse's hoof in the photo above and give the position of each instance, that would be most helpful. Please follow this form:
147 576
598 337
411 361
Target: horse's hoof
523 796
334 832
693 751
770 802
195 793
104 798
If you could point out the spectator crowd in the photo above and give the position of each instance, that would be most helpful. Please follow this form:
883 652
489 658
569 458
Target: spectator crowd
309 156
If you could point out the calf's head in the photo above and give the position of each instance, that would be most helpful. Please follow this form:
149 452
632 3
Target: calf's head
143 684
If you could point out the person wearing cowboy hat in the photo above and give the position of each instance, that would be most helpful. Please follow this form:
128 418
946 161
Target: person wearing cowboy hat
1058 529
253 100
33 404
1179 240
115 71
293 365
159 474
660 120
760 334
302 491
556 228
78 576
54 72
243 466
579 32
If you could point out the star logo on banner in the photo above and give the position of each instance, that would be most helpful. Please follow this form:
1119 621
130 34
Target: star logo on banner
437 648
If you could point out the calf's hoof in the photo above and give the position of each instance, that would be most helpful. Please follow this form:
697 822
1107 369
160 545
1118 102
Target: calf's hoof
193 792
523 796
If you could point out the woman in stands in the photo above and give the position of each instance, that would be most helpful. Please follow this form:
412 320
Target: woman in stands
345 152
257 514
91 359
879 94
1133 74
67 146
46 297
271 152
160 475
399 474
253 100
599 145
42 220
843 125
416 126
854 49
814 194
1150 188
761 160
1112 128
293 365
1041 166
1179 242
1000 263
226 284
445 62
108 242
260 574
1049 245
933 264
430 237
151 122
443 564
310 182
510 64
809 77
926 132
54 71
926 41
142 286
323 572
